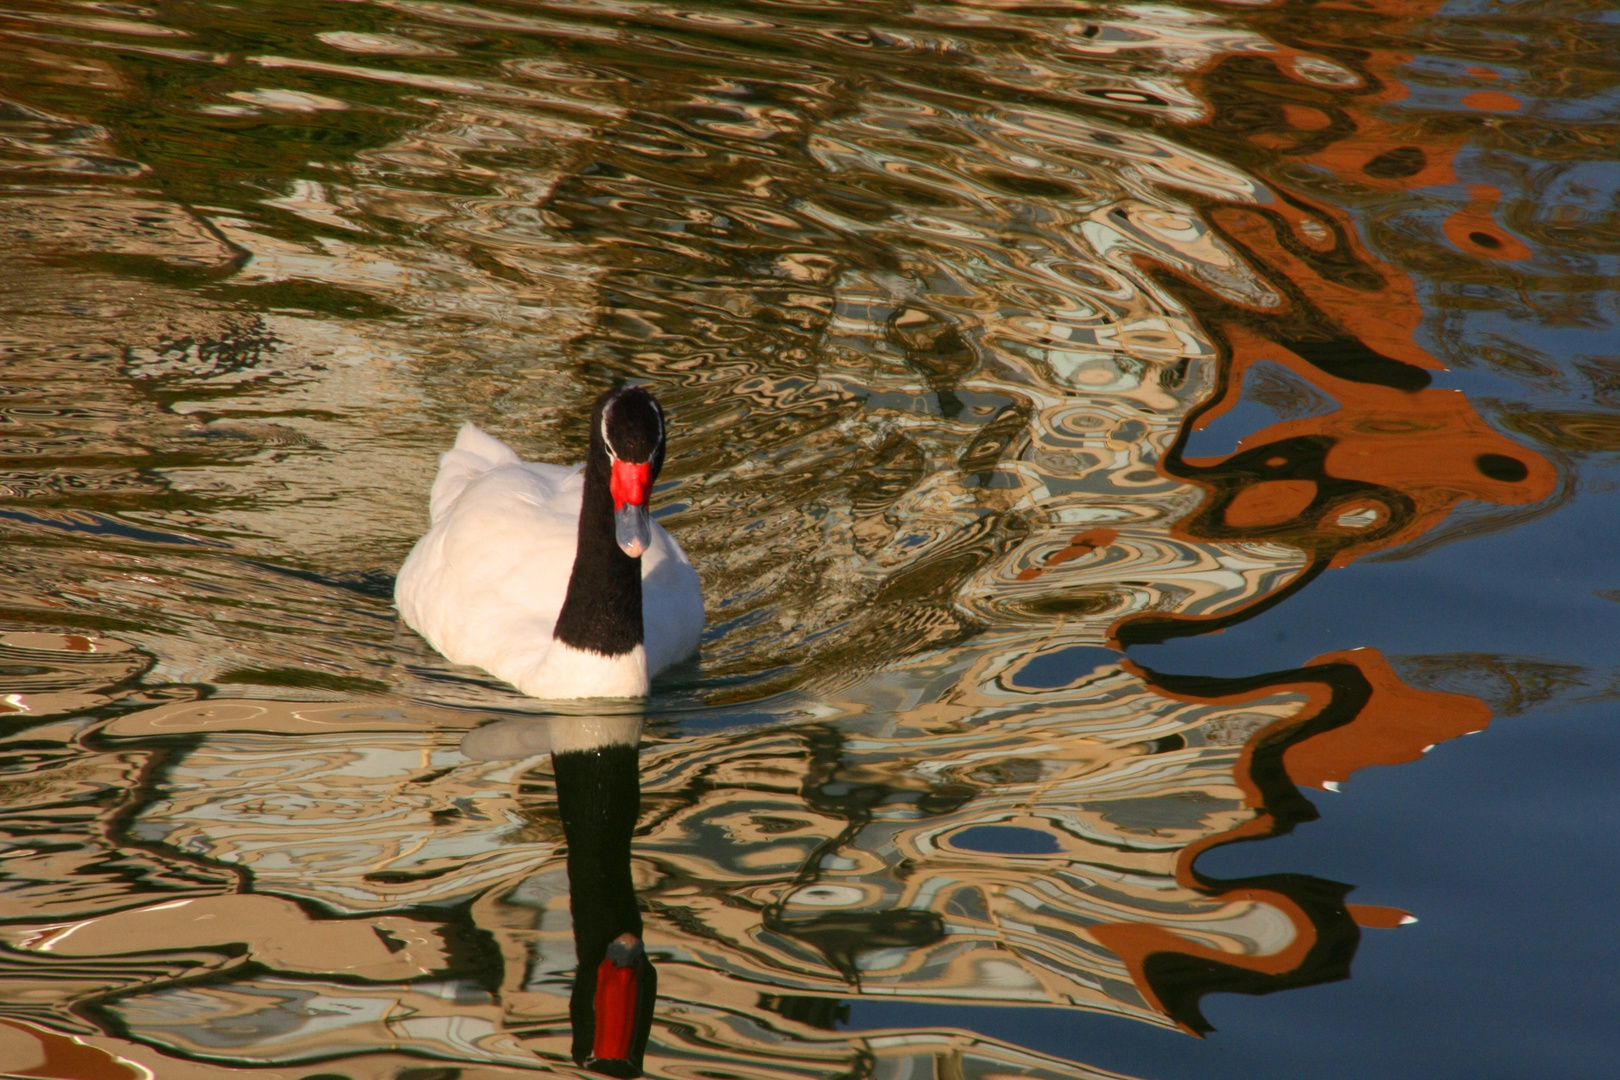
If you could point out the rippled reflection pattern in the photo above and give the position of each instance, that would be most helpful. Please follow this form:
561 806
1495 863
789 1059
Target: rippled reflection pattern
999 337
1037 850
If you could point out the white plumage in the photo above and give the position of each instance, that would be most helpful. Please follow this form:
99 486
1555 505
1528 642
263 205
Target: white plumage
486 584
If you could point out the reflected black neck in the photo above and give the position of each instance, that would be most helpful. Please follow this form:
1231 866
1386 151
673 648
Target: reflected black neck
598 797
602 612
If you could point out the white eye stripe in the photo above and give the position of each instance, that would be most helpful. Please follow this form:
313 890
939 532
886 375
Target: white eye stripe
607 410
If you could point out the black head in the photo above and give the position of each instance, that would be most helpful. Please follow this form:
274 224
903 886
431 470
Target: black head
627 434
627 424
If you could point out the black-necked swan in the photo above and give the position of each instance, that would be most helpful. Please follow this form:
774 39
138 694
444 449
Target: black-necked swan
555 578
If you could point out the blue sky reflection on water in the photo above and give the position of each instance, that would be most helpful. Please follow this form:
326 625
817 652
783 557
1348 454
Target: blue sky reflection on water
1502 843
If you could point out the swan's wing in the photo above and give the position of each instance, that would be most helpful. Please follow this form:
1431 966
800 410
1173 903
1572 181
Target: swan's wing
476 452
556 478
671 602
486 584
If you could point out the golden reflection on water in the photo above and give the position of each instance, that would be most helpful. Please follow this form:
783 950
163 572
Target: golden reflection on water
941 299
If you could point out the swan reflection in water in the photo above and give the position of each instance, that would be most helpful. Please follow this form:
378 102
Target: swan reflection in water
596 764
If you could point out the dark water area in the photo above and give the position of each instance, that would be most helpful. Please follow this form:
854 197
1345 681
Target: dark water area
1152 470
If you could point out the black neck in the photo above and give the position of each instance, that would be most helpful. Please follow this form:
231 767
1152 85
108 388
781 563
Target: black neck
602 612
598 797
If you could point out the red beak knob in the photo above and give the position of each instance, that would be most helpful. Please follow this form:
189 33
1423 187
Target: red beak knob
629 483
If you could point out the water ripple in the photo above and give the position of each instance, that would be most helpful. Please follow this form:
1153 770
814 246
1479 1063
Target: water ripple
995 337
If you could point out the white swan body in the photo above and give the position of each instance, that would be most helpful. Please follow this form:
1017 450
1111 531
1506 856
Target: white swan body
486 584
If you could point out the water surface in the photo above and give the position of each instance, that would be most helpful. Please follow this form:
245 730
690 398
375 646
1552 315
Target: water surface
1106 434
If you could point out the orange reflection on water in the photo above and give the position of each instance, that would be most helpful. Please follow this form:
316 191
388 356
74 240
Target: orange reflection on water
1359 714
1388 456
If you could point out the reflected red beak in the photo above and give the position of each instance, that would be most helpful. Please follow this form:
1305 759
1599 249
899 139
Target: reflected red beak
617 994
629 483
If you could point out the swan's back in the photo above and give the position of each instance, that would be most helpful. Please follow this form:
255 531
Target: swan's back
475 453
486 584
